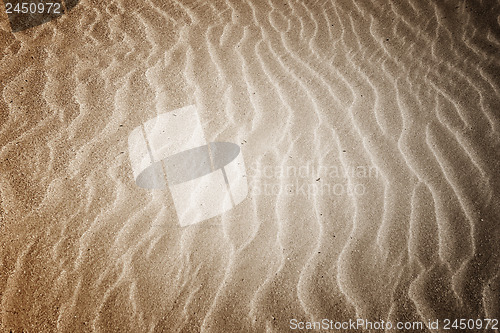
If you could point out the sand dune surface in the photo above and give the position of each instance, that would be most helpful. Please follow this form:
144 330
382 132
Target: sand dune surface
370 132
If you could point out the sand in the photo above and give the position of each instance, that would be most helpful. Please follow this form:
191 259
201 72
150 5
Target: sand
371 139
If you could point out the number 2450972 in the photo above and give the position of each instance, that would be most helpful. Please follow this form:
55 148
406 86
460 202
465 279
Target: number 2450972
471 324
34 8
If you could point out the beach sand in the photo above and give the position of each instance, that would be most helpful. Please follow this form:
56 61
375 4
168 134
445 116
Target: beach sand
371 139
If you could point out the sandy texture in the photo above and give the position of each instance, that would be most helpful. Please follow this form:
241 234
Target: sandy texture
396 101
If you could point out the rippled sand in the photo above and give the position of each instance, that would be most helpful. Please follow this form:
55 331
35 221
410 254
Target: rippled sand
408 89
